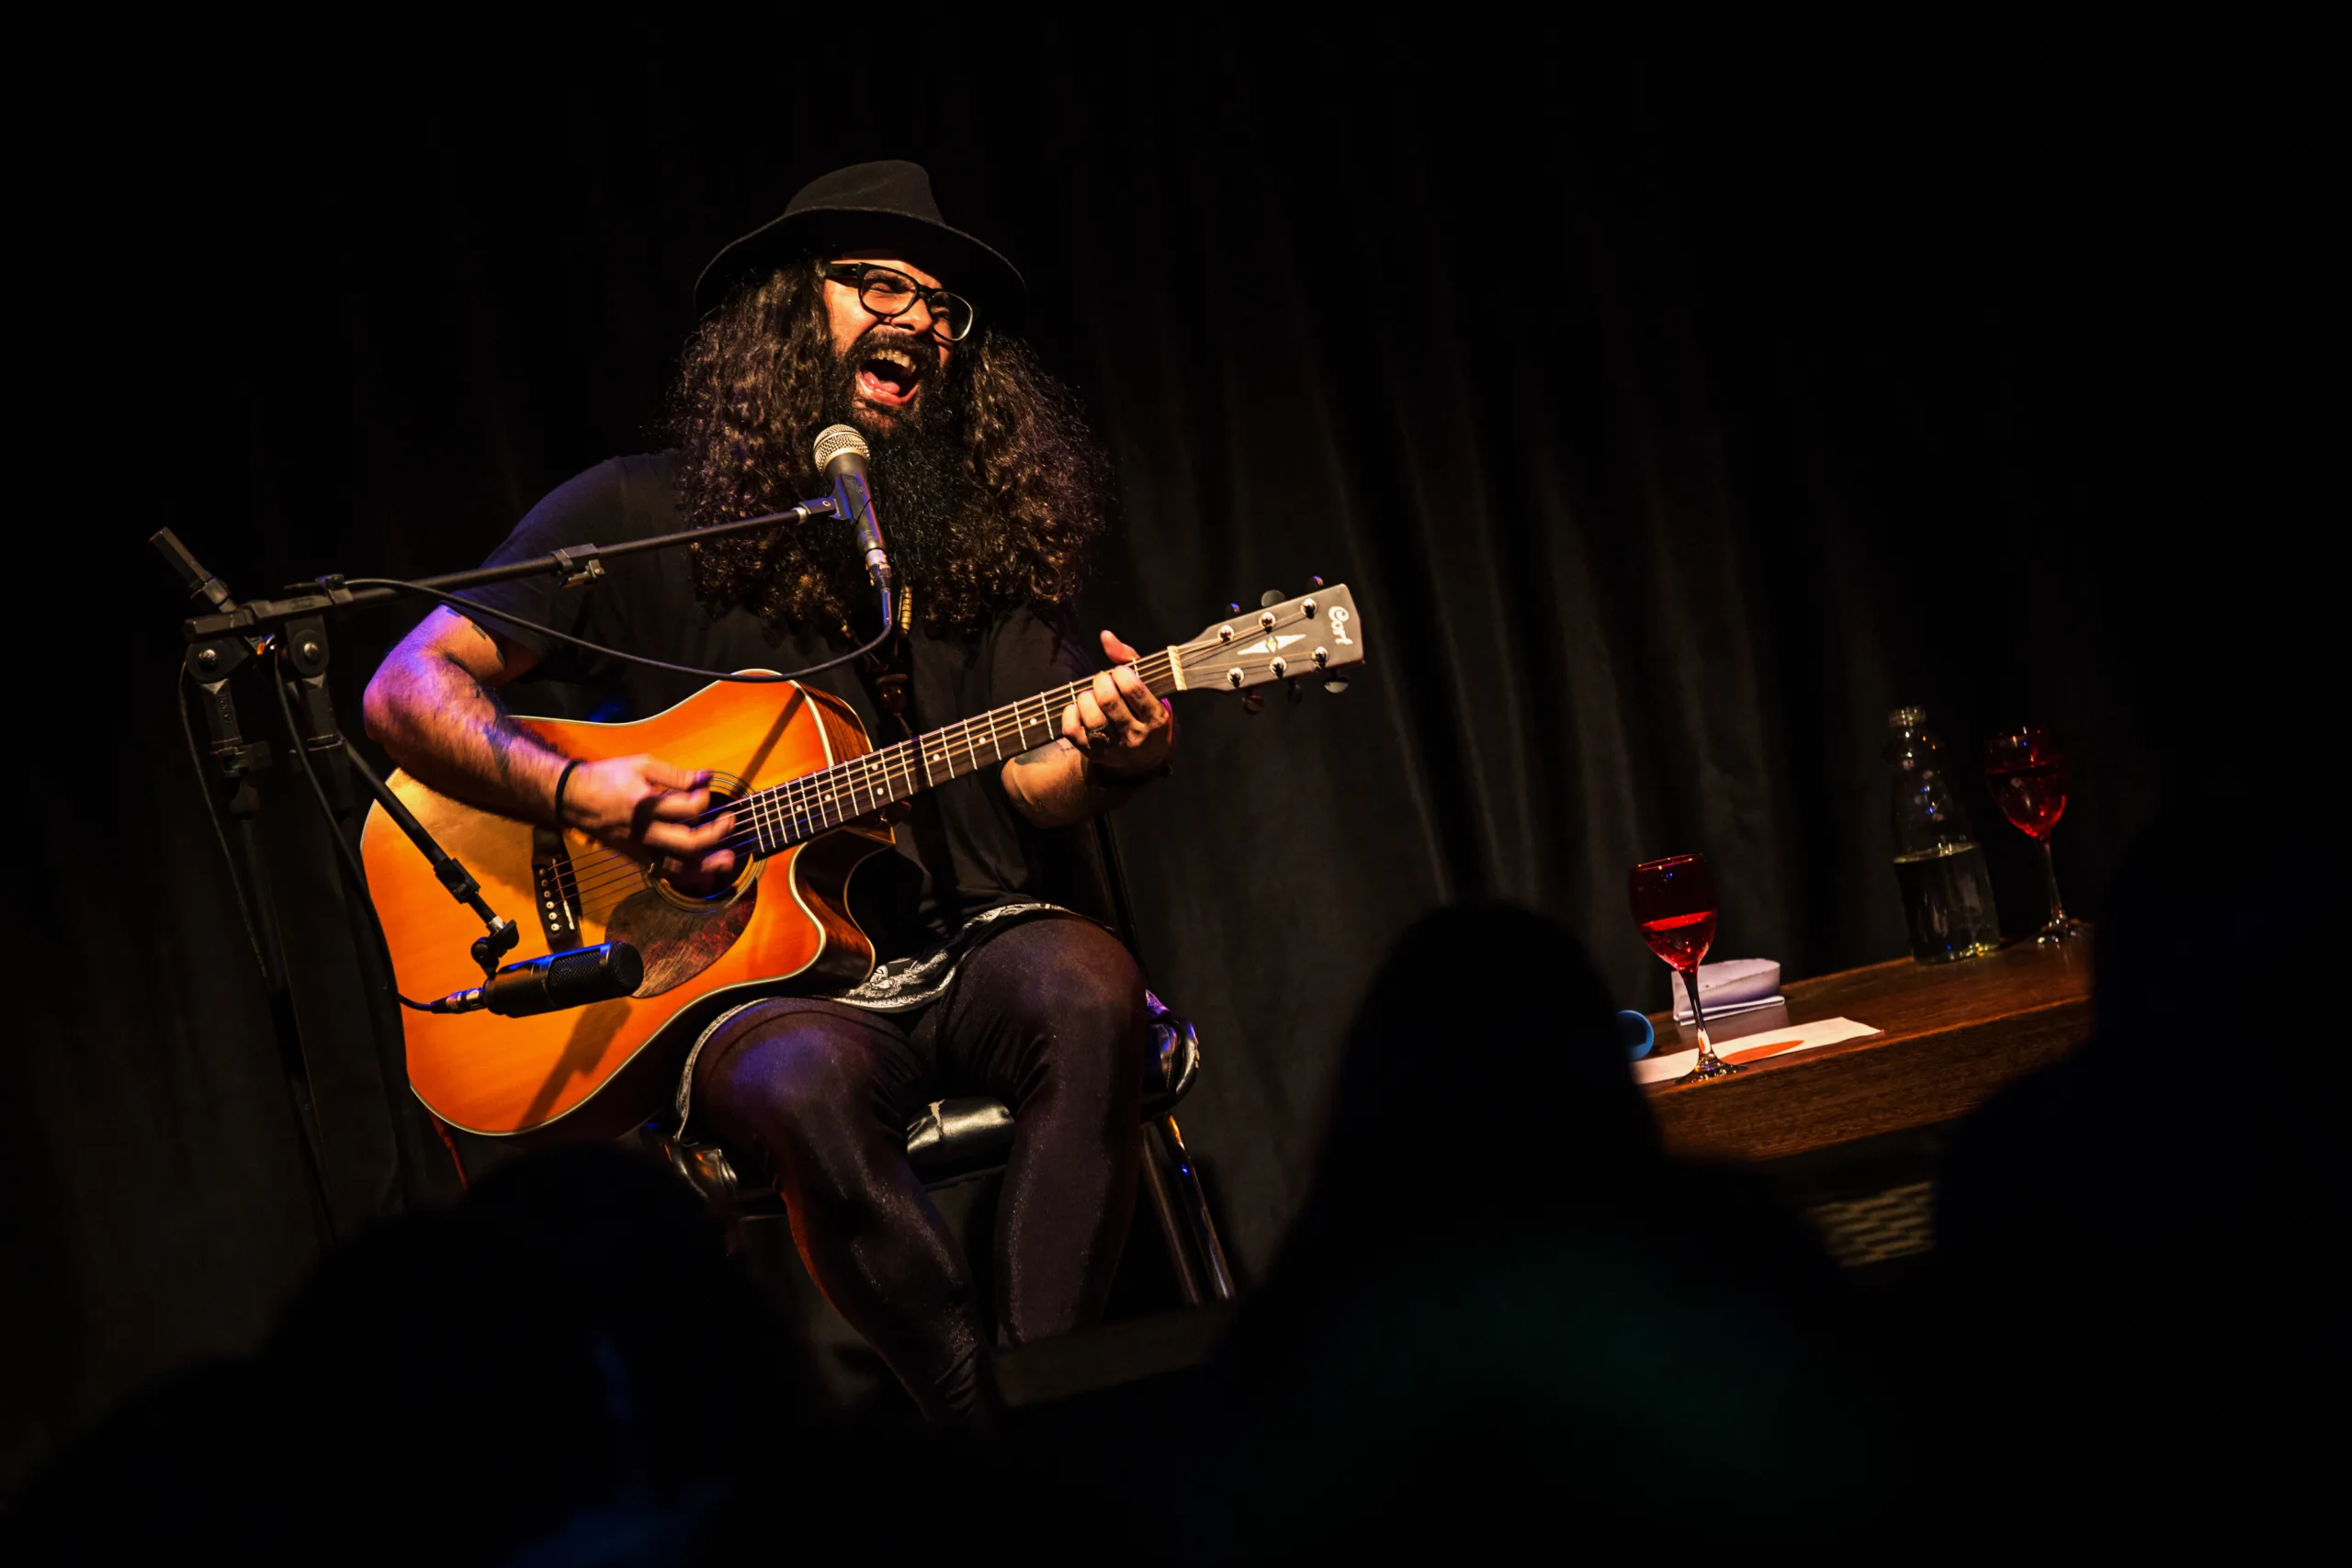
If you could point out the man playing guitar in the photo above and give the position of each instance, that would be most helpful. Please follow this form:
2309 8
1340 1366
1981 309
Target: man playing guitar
859 305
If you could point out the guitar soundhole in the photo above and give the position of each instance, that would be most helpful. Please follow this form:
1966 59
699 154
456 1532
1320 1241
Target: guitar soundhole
681 931
725 790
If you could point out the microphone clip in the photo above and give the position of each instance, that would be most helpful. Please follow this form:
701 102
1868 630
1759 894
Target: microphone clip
490 946
577 565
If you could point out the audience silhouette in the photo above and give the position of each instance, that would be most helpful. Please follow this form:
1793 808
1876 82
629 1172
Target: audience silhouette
567 1357
1504 1308
2141 1249
1505 1315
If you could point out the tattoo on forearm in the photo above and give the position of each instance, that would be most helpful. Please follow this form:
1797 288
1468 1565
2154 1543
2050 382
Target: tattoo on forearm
495 729
1052 791
455 735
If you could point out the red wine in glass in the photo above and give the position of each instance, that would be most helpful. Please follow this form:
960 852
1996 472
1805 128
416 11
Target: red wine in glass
2026 769
1681 940
2031 794
1674 905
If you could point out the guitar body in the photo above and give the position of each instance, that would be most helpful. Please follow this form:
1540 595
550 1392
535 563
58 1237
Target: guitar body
594 1072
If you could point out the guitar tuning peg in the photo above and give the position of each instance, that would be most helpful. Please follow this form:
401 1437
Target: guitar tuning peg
1233 608
1291 688
1335 684
1270 598
1254 701
1315 582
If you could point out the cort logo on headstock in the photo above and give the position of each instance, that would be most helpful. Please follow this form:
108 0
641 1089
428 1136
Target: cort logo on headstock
1282 645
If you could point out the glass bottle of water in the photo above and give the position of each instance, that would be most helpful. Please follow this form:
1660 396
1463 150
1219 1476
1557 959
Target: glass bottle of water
1947 888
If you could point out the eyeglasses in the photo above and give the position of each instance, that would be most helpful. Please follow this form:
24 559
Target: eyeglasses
890 294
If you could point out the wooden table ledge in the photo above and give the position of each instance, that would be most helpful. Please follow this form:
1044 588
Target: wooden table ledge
1953 1034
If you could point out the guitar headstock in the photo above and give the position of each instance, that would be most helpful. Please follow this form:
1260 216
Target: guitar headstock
1312 635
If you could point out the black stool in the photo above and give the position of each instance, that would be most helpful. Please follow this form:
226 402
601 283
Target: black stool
955 1140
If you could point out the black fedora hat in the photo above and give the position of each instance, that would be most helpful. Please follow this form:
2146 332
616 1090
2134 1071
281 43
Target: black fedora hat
884 208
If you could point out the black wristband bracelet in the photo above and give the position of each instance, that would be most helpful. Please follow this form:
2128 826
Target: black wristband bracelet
562 779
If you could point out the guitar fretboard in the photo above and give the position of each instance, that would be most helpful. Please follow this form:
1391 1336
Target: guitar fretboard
793 813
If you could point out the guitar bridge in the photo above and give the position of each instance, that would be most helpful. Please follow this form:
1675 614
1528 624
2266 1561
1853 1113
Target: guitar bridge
556 891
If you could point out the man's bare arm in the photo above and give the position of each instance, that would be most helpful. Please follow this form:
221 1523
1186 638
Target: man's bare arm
434 706
1050 785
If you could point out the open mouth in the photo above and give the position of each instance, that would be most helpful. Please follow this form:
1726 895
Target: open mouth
887 377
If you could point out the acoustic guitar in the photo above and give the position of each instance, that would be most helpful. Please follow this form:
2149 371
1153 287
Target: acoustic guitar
811 796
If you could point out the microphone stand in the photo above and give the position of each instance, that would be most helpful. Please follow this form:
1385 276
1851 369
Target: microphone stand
234 634
236 759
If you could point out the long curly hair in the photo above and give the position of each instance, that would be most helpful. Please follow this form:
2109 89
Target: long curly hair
1008 514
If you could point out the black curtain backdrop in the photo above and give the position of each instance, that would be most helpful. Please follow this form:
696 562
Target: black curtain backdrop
1676 397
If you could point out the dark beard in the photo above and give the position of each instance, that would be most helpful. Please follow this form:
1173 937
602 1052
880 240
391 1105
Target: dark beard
922 487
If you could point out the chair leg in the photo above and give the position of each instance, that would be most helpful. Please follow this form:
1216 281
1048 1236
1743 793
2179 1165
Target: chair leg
1188 1196
1175 1229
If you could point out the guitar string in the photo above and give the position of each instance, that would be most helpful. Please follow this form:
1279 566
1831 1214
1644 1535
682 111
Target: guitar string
770 821
873 774
797 810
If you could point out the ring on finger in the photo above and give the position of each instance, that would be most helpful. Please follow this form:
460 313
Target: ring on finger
1098 735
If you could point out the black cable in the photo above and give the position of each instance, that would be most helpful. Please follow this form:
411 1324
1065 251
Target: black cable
350 857
471 609
220 834
281 998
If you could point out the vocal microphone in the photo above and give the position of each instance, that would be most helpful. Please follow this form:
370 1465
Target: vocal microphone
601 974
842 453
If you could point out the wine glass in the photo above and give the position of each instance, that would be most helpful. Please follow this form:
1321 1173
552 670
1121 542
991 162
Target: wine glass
1674 903
2026 767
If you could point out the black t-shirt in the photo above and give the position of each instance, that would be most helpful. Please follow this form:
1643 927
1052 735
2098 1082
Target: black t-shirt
963 849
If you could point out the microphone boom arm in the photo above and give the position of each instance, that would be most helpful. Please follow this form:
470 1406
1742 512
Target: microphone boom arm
581 563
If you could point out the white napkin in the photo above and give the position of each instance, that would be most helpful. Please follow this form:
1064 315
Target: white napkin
1733 985
1755 1047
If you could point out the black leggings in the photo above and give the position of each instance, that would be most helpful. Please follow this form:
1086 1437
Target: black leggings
1046 1015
